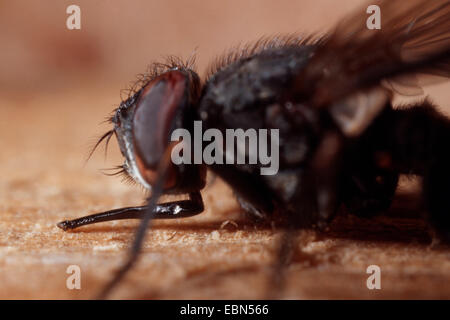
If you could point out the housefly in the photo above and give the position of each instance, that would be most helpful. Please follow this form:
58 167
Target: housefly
328 98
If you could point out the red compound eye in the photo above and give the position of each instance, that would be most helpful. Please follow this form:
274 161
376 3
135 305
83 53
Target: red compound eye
153 120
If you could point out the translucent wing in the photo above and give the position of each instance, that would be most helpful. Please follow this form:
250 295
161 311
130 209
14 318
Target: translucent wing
414 39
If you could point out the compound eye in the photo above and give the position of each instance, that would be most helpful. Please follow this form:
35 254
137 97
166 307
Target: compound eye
154 119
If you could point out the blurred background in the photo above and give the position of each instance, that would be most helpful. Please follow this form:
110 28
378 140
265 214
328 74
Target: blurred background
58 85
119 38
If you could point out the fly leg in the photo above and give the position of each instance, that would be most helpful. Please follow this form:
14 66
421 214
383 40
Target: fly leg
314 205
169 210
325 175
369 192
436 192
284 251
414 140
148 214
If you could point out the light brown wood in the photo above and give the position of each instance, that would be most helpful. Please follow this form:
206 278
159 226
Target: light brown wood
57 86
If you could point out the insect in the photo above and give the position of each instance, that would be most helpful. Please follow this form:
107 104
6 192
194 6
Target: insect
341 141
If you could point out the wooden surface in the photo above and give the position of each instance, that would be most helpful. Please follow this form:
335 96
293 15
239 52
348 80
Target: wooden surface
44 181
57 85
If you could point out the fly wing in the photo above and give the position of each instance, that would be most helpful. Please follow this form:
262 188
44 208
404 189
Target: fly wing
414 39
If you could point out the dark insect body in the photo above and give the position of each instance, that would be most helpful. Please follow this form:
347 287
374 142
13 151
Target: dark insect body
341 141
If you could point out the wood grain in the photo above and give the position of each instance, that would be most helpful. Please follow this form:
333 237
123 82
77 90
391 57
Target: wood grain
56 86
44 181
